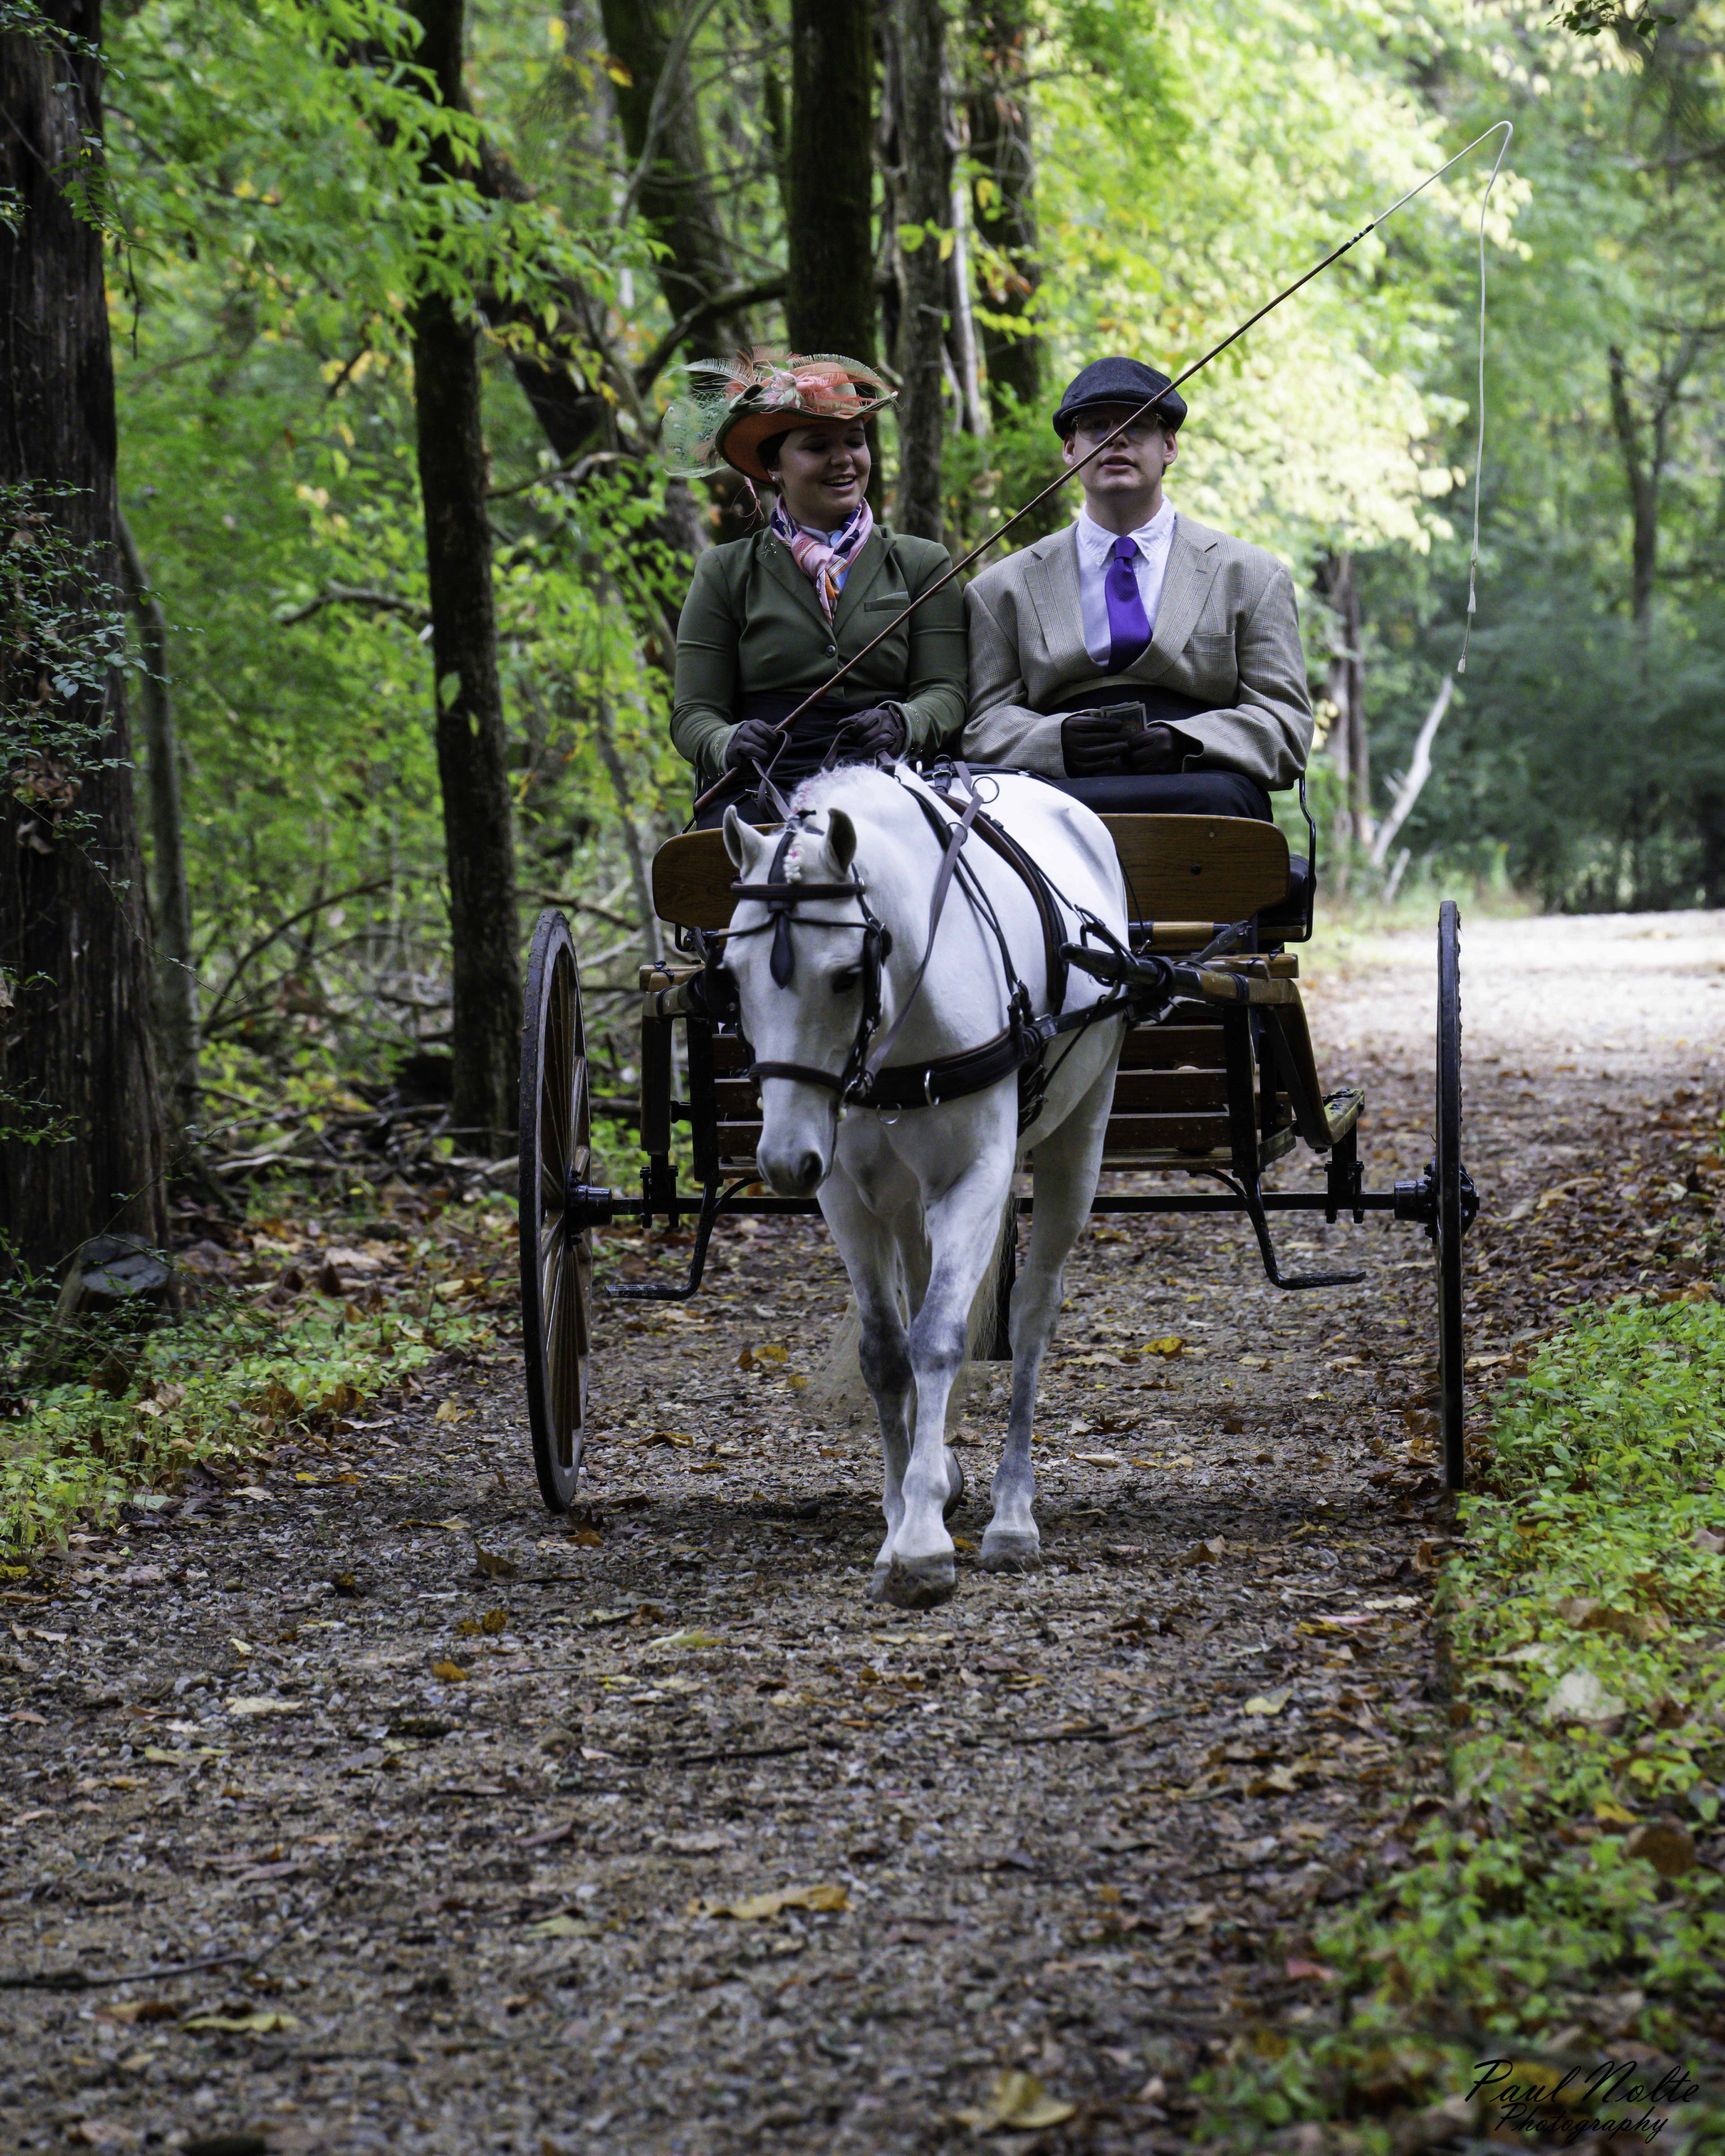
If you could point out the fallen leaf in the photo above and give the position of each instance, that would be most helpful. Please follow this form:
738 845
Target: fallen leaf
1170 1347
557 1928
678 1440
1303 1971
265 2023
450 1411
753 1906
1579 1696
1206 1552
1704 1539
258 1495
450 1672
1269 1702
772 1352
963 1542
1017 2102
263 1703
1611 1815
1665 1844
453 1525
688 1639
1100 1459
134 2010
493 1622
494 1567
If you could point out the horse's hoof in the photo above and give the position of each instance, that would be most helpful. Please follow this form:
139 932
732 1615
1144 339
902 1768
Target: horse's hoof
955 1473
924 1585
1012 1552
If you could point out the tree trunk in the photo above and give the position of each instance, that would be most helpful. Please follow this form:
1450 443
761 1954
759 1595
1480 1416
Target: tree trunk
1006 204
77 1059
1641 478
924 204
830 305
175 973
966 362
1345 688
471 747
660 121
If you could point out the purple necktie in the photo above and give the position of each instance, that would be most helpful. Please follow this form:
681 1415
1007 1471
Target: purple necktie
1129 624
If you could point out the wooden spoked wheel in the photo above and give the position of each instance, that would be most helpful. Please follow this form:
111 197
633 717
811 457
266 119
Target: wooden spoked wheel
1450 1218
557 1249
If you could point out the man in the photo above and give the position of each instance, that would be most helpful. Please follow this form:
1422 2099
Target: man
1139 659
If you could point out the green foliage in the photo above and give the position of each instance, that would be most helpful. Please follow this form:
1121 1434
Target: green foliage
1582 1609
226 1381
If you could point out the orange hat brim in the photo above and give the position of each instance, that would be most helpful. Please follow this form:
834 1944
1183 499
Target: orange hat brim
740 444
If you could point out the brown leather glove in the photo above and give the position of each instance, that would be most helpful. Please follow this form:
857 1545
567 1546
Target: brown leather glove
1157 749
880 731
754 743
1094 743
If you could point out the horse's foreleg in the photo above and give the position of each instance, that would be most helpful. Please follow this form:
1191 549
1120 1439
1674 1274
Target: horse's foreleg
1067 1162
962 1225
872 1260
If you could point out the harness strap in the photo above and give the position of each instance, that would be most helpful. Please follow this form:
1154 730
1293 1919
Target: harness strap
953 840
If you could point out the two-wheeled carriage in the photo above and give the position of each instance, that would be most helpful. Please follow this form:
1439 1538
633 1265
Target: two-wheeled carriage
1217 1085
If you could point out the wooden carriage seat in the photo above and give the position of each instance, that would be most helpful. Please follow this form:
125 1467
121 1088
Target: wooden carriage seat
1200 869
1195 868
1184 874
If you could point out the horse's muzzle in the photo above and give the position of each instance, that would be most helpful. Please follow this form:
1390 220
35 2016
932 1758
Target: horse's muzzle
798 1171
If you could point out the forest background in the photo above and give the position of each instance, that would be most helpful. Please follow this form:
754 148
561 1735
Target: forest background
306 206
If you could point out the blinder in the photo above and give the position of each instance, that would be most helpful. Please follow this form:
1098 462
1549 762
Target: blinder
781 893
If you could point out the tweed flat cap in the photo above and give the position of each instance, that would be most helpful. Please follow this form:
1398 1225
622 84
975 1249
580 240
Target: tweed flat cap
1126 381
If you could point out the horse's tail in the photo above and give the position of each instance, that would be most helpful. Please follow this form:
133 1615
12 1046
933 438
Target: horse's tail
838 1389
987 1308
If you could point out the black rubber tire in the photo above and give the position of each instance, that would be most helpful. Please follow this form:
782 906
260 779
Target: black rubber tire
557 1267
1449 1224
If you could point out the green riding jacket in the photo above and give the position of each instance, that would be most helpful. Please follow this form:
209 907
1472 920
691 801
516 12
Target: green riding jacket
751 623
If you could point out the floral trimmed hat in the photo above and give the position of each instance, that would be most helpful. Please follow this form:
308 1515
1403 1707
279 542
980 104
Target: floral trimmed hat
735 405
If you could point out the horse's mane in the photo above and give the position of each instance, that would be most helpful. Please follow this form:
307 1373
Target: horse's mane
860 782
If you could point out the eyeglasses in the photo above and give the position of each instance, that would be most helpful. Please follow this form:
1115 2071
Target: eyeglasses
1135 431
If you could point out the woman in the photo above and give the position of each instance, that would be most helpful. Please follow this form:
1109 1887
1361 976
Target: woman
770 618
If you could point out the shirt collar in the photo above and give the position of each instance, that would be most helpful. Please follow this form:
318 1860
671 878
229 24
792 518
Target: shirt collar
1095 544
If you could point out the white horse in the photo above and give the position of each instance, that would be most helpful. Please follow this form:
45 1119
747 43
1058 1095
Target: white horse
918 1200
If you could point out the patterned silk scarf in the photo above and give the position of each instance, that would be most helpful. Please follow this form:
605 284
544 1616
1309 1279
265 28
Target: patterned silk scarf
824 563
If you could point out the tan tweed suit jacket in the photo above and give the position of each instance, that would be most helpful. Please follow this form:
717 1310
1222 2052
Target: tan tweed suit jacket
1227 632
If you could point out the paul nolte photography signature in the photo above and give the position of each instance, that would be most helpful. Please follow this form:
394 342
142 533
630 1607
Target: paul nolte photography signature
1585 2099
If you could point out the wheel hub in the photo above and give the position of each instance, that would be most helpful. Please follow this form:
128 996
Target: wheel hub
587 1205
1417 1198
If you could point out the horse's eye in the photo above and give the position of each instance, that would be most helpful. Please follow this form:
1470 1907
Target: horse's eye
845 979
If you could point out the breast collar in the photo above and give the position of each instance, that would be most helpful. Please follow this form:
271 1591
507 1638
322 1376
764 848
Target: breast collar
867 1079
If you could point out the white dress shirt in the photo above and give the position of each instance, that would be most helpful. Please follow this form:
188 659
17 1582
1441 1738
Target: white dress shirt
1095 550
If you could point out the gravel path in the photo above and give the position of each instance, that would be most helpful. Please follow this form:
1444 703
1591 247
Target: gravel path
379 1811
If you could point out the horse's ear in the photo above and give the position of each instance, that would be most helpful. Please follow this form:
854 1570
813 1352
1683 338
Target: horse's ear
737 835
841 837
